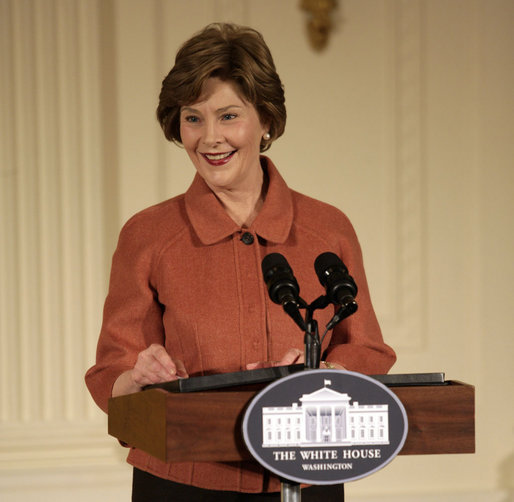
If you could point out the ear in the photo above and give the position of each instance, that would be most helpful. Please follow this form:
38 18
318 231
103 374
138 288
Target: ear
265 123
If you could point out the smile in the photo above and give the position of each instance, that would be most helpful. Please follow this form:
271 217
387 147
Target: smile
218 158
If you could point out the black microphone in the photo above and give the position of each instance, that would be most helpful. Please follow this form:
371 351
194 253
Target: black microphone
334 277
282 286
338 283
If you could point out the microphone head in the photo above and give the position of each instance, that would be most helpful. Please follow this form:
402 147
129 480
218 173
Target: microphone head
334 277
279 277
326 262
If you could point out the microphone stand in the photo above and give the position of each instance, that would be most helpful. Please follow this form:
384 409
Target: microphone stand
312 343
311 339
290 490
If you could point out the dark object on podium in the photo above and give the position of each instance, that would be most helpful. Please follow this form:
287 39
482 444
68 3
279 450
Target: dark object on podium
224 380
266 375
206 426
416 379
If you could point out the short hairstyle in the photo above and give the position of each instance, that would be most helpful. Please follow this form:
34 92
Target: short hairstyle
232 53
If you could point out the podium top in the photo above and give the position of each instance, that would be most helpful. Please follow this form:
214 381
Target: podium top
266 375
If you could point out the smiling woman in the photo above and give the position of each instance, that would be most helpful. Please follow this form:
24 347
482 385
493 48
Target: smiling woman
224 102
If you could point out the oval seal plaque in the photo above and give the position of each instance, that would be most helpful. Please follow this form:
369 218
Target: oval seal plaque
324 427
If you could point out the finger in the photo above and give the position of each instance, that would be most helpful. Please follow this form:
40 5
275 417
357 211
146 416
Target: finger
154 364
331 365
145 377
292 356
181 369
164 361
260 364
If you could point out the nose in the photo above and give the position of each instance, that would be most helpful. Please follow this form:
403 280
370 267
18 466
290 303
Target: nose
213 134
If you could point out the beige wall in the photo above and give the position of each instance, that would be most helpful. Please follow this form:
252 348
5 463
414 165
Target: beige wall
405 122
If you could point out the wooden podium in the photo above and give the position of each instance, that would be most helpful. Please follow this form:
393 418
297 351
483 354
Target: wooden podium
206 426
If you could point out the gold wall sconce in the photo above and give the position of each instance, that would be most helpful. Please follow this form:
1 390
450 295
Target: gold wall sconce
319 23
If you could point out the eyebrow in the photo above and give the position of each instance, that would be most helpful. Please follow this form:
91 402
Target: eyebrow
190 109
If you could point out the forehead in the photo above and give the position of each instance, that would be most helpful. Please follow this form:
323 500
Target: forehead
217 90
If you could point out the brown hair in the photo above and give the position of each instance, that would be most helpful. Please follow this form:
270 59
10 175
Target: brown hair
229 52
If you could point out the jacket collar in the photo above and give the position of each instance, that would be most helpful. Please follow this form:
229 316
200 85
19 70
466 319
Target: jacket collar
212 224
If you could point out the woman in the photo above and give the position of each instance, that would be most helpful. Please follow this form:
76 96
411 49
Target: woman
186 294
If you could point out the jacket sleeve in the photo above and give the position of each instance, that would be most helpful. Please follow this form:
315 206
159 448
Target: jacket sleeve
357 341
132 317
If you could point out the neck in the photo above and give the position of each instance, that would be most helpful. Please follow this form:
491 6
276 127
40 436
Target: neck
242 205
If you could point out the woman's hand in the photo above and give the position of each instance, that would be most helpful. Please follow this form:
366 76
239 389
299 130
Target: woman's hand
329 365
292 356
153 365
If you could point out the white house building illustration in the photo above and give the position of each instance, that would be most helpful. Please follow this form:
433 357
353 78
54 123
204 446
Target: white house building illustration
325 417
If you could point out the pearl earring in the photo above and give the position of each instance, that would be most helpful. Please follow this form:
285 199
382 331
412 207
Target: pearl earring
267 136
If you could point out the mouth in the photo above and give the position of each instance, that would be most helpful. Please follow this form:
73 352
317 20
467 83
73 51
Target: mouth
218 159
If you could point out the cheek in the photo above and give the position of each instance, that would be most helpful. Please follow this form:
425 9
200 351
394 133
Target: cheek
250 137
188 138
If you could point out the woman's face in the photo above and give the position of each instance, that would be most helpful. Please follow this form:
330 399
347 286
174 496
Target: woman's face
222 134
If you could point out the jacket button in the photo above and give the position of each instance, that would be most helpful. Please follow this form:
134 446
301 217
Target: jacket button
247 238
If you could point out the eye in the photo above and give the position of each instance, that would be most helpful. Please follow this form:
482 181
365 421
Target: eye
192 119
228 116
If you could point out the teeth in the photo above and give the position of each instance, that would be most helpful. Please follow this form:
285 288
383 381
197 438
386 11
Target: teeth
218 156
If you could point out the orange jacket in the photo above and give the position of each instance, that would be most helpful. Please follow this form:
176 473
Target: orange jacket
182 276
